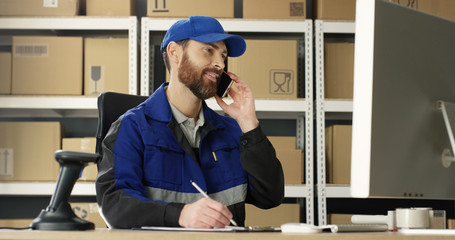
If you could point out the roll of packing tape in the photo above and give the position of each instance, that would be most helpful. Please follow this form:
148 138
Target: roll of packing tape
408 218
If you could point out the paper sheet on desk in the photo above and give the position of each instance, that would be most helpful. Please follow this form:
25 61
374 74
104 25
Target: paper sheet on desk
226 229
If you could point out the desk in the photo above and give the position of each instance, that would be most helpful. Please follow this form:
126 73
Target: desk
110 234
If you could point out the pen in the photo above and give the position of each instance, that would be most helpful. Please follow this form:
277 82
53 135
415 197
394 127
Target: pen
207 196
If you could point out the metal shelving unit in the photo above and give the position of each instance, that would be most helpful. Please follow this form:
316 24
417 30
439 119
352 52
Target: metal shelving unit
66 106
323 107
26 106
301 110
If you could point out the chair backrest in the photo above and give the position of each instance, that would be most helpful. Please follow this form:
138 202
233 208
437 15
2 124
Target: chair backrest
111 106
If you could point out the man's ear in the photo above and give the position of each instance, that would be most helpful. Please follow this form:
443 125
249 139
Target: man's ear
174 52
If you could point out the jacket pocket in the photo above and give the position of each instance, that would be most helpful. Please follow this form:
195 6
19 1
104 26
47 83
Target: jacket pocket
163 166
227 160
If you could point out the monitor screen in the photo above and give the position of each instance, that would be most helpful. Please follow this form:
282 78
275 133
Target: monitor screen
404 64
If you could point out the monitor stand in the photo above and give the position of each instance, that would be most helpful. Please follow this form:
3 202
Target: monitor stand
448 113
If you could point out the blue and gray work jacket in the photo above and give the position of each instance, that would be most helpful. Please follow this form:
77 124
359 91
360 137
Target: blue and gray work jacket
144 175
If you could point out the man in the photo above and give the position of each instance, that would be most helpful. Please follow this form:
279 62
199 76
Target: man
154 151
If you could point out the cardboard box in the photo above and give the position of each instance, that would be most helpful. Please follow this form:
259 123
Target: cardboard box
274 9
39 8
442 8
269 67
5 73
186 8
292 161
27 151
47 65
89 212
282 143
338 139
335 9
83 145
110 7
339 219
15 223
339 70
272 217
106 65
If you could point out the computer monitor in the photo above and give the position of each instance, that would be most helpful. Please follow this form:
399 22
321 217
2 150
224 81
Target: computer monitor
404 64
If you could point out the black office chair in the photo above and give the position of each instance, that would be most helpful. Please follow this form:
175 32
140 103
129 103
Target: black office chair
59 215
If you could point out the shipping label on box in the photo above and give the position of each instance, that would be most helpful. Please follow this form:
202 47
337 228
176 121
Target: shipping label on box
106 65
5 73
186 8
269 67
47 65
274 9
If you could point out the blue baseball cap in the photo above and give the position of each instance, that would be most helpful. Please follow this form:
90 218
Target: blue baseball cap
204 29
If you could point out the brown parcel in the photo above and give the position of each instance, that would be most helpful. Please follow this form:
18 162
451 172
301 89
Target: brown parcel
273 217
29 151
283 143
39 8
186 8
47 65
335 9
106 65
338 154
111 7
90 212
339 70
274 9
5 73
269 67
86 144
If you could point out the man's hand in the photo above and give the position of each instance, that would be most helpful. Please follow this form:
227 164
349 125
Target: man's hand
205 213
242 109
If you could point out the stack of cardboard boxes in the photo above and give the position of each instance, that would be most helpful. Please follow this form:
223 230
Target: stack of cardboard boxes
55 65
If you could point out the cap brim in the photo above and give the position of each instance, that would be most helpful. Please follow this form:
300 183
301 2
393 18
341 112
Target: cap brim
235 44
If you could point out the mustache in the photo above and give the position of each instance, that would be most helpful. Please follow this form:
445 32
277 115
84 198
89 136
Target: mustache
214 70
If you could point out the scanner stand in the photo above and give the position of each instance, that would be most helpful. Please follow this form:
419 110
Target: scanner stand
59 215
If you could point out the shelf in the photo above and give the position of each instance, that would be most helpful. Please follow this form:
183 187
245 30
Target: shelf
88 189
83 106
236 25
48 106
331 105
337 191
66 23
338 26
271 109
128 24
44 188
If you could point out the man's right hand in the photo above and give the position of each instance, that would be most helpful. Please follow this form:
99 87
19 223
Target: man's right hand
205 213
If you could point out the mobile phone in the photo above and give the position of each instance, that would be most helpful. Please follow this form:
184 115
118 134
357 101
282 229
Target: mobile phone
224 85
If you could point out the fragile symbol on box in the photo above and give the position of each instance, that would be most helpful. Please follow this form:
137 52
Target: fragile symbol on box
160 8
281 82
6 162
97 79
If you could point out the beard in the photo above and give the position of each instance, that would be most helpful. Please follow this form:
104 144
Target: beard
193 79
